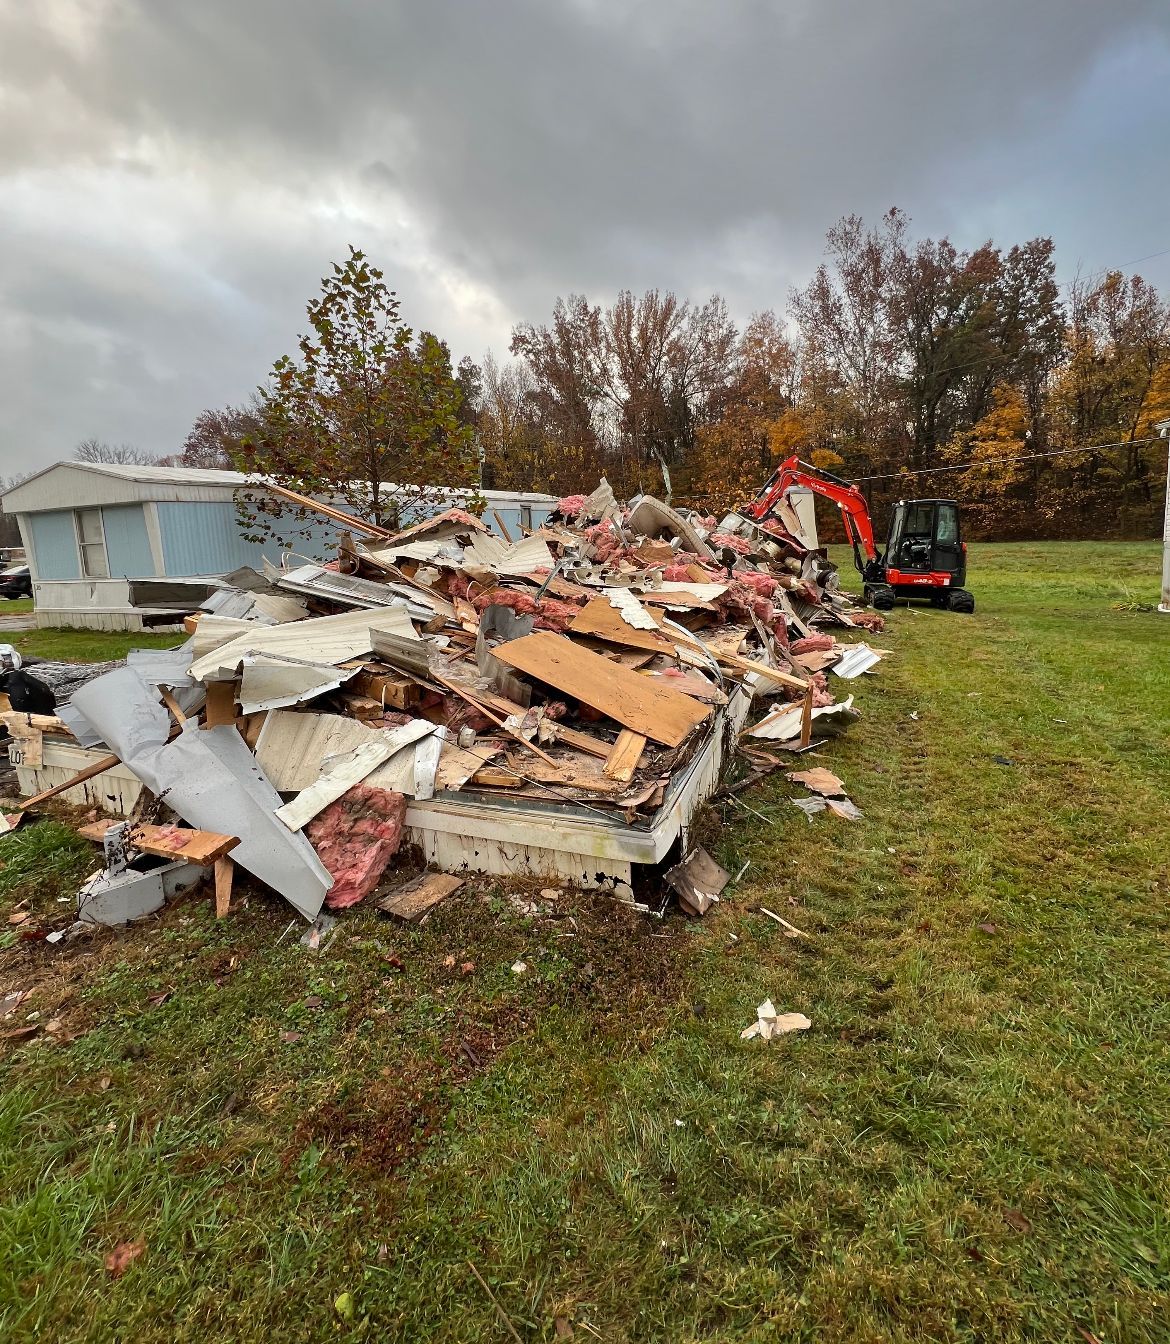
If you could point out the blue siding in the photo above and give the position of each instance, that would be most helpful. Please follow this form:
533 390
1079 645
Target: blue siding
54 544
206 538
127 544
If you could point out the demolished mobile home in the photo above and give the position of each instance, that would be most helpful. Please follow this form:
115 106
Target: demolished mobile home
557 702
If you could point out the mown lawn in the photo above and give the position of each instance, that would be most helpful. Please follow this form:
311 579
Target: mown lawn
969 1144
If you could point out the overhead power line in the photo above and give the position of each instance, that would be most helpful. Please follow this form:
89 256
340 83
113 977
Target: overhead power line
1002 461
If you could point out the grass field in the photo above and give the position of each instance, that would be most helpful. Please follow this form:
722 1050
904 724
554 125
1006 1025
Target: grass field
970 1143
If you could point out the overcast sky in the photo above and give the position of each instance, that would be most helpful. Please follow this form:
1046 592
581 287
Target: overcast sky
177 175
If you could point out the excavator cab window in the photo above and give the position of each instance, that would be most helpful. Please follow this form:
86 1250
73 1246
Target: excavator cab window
911 536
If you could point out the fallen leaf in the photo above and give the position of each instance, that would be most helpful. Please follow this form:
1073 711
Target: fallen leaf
343 1304
467 968
314 1001
1087 1335
519 967
987 928
104 1082
290 1037
1147 1253
562 1327
19 917
157 1000
924 927
395 963
20 1033
448 961
1020 1221
123 1256
11 1002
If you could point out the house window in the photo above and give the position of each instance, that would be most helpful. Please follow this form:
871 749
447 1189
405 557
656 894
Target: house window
91 542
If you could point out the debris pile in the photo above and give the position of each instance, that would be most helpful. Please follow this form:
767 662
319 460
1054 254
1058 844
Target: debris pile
559 703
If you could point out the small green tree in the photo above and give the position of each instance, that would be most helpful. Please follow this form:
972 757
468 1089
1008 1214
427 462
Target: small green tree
368 415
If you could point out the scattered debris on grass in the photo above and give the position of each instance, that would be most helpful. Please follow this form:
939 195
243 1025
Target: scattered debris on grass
769 1023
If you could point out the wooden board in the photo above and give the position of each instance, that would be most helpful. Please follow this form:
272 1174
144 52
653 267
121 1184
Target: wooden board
411 902
602 620
623 759
662 715
221 704
202 847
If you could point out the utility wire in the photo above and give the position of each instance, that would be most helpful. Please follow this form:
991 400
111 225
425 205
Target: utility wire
1000 461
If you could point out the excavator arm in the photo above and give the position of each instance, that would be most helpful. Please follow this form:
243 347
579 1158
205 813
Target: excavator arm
848 498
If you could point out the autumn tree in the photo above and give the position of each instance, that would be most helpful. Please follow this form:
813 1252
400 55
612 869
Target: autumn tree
218 438
367 413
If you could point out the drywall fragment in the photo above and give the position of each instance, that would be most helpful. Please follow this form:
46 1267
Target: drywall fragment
769 1023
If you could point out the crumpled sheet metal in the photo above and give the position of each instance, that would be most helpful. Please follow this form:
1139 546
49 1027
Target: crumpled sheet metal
210 778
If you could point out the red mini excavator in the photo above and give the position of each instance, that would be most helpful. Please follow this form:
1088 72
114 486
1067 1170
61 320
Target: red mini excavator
925 554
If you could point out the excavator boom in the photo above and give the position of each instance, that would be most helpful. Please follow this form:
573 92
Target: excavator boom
848 498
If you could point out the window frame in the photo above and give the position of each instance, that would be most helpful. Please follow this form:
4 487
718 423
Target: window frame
84 547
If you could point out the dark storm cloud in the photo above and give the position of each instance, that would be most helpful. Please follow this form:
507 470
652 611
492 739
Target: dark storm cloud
174 178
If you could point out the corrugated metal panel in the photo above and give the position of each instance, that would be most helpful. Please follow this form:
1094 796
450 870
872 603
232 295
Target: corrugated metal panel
54 545
127 544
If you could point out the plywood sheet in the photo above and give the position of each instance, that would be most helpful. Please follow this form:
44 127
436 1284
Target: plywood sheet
662 715
602 620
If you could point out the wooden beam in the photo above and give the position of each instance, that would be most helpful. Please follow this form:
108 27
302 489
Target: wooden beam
201 847
220 708
313 506
503 528
99 767
623 759
483 709
806 719
224 872
172 704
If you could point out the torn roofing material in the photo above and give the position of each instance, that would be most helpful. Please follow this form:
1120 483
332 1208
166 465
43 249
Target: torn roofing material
210 778
327 639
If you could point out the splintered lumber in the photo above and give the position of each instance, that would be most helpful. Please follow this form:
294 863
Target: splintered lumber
483 709
168 699
495 779
170 842
335 515
409 903
623 759
660 714
395 692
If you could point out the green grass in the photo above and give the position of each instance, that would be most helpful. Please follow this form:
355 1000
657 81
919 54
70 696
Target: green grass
970 1144
91 646
19 606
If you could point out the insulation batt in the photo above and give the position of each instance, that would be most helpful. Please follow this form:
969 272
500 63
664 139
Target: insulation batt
551 614
813 644
869 620
355 838
571 505
821 695
737 544
604 540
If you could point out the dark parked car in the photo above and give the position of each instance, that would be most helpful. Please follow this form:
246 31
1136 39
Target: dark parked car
16 582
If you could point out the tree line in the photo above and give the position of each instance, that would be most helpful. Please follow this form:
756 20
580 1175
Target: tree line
909 364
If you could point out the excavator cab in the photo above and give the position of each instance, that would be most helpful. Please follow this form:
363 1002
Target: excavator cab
925 555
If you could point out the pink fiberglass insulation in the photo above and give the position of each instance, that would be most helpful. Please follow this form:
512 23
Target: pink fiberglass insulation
869 620
550 614
678 573
737 544
764 584
821 696
604 540
571 505
355 838
813 644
